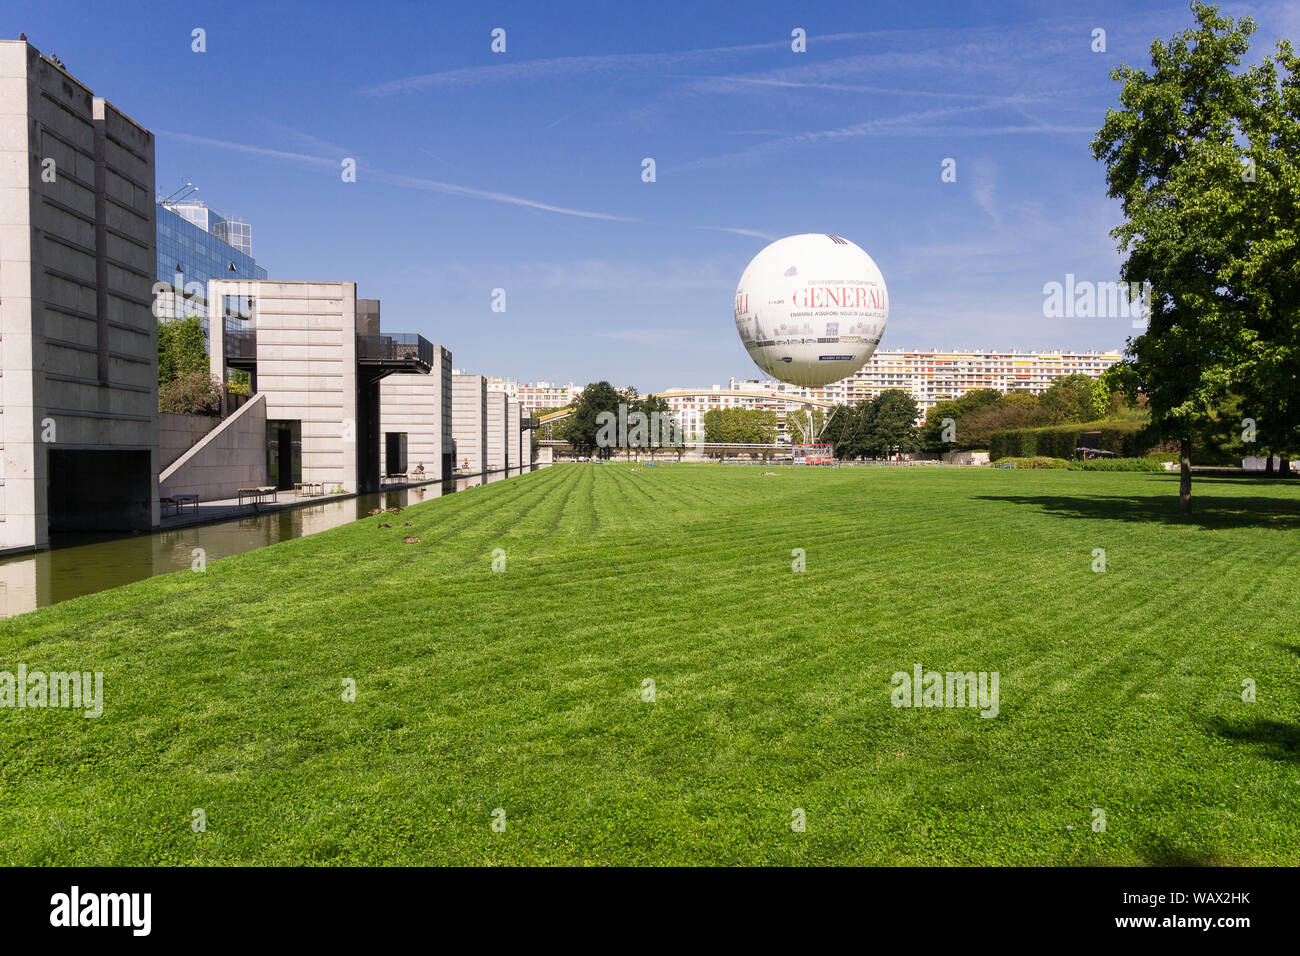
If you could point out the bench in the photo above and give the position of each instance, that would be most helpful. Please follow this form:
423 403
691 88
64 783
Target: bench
256 495
309 489
178 502
395 477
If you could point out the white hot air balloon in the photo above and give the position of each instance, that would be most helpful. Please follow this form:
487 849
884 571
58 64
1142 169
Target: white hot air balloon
811 309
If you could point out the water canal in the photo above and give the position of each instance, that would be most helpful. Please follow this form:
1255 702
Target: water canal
86 564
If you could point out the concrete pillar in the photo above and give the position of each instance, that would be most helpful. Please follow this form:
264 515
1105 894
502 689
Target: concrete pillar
497 454
469 423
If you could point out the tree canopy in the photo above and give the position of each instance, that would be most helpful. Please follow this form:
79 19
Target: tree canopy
1186 154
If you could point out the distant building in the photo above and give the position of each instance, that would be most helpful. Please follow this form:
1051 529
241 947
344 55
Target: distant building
537 395
506 386
929 377
534 395
195 246
233 232
78 364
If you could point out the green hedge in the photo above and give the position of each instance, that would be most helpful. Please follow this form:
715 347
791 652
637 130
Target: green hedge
1119 464
1039 462
1125 439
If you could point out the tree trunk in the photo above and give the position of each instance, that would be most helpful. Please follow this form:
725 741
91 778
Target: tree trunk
1268 463
1185 477
1285 470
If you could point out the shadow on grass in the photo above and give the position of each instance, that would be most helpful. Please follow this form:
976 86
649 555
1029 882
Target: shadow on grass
1164 853
1274 738
1207 511
1291 482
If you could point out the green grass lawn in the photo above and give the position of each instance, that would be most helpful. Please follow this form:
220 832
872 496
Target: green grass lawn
523 690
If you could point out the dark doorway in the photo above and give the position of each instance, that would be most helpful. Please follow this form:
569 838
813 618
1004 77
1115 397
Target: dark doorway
284 450
395 453
283 453
97 490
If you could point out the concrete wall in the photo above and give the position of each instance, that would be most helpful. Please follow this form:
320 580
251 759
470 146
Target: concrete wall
306 366
177 434
498 458
421 406
78 339
230 457
513 417
469 422
526 451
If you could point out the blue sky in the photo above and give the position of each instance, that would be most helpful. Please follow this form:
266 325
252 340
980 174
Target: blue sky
522 170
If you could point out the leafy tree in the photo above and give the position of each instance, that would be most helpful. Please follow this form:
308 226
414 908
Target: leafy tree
841 421
931 434
893 423
1174 159
662 429
182 347
855 430
1119 384
740 426
190 393
1073 398
1264 270
581 428
1012 410
715 432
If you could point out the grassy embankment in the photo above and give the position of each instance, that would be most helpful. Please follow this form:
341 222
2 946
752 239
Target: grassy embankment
523 690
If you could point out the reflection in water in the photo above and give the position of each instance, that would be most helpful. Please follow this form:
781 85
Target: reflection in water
84 564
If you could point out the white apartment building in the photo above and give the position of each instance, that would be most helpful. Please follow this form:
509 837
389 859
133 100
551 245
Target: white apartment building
507 386
929 376
534 395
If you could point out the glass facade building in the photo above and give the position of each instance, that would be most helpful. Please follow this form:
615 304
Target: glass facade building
192 248
233 232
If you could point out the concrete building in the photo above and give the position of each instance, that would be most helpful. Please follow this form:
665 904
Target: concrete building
498 435
419 408
315 357
514 419
469 423
78 340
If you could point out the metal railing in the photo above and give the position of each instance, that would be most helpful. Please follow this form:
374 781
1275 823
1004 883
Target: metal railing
396 348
